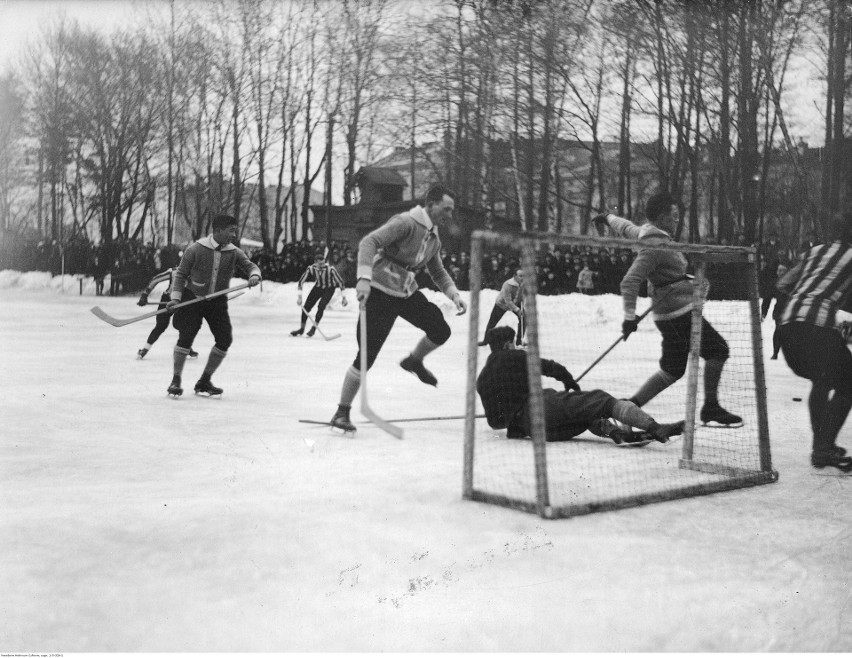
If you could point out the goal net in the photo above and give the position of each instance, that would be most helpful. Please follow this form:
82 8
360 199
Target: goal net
590 473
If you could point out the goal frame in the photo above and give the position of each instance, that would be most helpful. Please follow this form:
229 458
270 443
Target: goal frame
527 244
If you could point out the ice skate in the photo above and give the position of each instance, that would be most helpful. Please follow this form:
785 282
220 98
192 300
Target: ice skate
311 332
175 389
341 421
663 432
141 353
714 415
416 367
835 457
205 387
298 332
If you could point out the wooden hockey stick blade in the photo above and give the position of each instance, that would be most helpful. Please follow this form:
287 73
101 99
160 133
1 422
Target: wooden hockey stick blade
316 326
115 322
368 413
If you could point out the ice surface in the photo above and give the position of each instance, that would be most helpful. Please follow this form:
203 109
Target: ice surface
132 522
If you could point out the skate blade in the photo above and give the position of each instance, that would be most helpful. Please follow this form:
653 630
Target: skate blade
712 424
202 394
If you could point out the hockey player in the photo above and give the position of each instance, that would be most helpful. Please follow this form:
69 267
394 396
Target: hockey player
671 296
389 258
816 288
207 266
503 387
510 299
326 279
162 319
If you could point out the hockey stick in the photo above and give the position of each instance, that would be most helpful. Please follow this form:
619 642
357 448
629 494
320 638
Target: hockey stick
115 322
316 326
638 320
397 420
234 296
369 414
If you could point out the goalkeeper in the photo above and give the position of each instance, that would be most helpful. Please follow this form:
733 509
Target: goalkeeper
503 387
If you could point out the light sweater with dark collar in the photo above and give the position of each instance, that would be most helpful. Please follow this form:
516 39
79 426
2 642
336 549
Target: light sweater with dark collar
204 269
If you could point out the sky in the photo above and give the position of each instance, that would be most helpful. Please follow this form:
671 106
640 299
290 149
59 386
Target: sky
22 20
132 522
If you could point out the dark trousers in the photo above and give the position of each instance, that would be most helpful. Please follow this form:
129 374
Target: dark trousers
497 314
162 320
188 319
382 312
317 294
820 355
569 413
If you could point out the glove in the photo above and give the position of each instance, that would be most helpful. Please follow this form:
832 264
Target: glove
628 327
461 307
170 306
601 223
143 299
570 384
299 299
362 291
254 280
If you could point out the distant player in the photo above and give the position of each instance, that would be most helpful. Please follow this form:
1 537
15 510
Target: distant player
207 266
327 280
503 387
162 319
671 297
510 299
389 259
815 289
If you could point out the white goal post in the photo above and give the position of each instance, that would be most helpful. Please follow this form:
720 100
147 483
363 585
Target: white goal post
589 473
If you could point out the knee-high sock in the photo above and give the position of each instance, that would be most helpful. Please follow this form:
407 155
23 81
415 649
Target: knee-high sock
351 385
656 384
712 375
423 348
630 414
213 361
180 354
833 417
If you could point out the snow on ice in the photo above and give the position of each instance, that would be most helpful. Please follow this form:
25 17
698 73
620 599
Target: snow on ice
137 523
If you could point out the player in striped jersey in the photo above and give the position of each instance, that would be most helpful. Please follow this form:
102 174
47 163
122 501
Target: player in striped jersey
162 319
816 289
326 279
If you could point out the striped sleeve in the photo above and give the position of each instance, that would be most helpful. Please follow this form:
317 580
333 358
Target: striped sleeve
335 275
159 278
305 276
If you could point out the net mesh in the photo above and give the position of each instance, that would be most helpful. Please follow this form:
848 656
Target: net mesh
588 472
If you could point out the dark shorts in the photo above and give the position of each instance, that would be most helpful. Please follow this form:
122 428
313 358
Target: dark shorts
188 319
817 353
567 414
676 334
382 312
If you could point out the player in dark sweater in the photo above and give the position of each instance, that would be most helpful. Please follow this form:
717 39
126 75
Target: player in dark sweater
503 387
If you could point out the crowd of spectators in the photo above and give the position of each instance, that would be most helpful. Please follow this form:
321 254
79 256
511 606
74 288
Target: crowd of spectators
131 264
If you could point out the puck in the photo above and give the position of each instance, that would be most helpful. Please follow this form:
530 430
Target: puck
797 399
